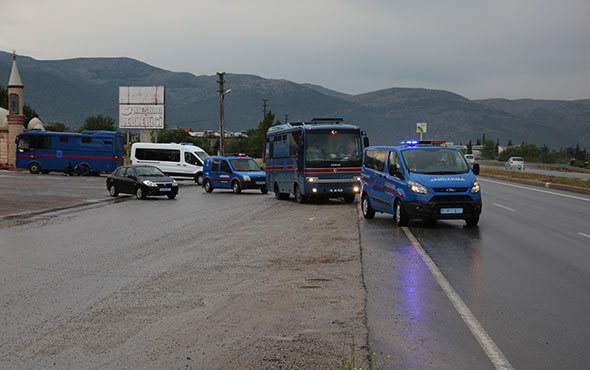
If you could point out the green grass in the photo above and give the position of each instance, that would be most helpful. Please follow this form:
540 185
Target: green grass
536 177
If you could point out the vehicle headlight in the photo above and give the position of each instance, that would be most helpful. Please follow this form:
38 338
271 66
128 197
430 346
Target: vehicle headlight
357 178
174 183
416 187
149 183
475 188
246 178
312 179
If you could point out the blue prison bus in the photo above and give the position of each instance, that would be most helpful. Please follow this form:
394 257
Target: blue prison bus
317 159
93 151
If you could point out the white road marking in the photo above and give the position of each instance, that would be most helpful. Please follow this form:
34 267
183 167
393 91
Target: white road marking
586 235
485 341
539 190
501 206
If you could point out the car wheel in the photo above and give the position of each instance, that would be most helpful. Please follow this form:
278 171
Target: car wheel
472 221
368 211
34 168
113 191
300 198
235 187
400 215
208 186
199 178
139 193
349 198
263 190
171 195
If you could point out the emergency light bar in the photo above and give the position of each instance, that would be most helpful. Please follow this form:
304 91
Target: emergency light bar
422 142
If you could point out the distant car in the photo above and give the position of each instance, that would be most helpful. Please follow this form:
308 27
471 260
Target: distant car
514 163
233 172
470 159
142 181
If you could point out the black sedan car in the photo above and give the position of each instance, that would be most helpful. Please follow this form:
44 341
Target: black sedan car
141 181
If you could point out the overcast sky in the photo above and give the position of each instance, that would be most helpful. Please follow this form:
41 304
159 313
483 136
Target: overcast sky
479 49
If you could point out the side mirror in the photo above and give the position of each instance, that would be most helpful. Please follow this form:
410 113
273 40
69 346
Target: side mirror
365 141
476 169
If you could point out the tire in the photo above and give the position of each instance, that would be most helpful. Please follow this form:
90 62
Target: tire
34 168
472 221
235 187
171 195
349 198
208 186
84 170
400 215
139 193
199 178
113 191
300 198
368 211
263 190
278 195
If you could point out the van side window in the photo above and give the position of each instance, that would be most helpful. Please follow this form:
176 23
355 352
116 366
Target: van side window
378 159
225 167
190 158
215 165
394 164
164 155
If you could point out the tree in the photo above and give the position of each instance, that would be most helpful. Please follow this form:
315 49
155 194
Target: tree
469 148
57 127
181 136
489 149
29 113
3 97
509 142
99 122
258 140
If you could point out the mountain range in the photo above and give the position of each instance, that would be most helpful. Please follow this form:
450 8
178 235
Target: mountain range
70 90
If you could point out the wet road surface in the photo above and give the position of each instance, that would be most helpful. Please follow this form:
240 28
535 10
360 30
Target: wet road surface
523 273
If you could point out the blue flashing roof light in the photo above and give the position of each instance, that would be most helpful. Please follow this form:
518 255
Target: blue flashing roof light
409 142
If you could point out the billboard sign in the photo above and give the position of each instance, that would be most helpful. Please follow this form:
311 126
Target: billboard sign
136 116
141 107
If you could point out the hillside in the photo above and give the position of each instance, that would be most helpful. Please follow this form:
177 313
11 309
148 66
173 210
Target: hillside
70 90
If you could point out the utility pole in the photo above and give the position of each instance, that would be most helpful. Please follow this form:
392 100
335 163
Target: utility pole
286 118
264 105
222 93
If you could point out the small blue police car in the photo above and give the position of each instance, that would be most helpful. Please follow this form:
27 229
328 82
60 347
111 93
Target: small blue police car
419 180
233 172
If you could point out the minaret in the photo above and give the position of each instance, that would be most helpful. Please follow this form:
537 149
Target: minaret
15 118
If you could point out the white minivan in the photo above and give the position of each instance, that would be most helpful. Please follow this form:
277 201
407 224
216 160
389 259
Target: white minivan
180 161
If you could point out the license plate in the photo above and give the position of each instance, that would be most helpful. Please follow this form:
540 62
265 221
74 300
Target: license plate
451 211
260 182
165 189
336 190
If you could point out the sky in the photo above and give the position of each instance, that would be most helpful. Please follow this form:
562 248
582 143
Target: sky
509 49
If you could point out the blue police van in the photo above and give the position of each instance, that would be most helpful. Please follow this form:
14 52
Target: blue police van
419 180
233 172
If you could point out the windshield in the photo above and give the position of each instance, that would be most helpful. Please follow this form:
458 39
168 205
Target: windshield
201 155
333 147
148 171
245 165
435 161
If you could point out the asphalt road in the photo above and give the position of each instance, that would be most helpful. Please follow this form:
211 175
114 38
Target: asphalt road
245 281
523 274
205 281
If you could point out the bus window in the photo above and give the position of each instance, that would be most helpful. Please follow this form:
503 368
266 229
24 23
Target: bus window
32 142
